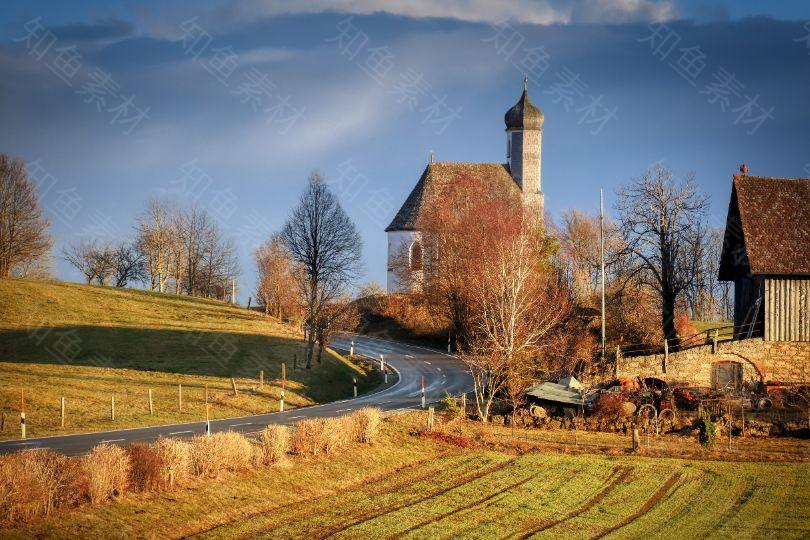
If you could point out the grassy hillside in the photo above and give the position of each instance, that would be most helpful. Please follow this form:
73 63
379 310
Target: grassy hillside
412 486
89 343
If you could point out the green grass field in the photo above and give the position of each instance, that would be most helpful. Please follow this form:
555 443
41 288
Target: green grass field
415 487
89 343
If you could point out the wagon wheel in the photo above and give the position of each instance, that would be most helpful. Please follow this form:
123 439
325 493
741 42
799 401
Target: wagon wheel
667 415
646 411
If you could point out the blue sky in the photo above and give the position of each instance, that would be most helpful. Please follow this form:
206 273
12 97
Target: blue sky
233 103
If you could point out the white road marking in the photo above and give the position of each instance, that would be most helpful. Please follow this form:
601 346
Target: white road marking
428 363
24 443
111 440
342 410
439 368
408 356
297 416
179 432
242 424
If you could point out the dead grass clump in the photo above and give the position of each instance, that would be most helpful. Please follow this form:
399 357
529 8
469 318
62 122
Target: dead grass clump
35 482
367 424
307 438
163 465
274 441
227 451
106 471
338 432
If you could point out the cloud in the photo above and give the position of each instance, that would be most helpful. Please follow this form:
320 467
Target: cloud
540 12
106 30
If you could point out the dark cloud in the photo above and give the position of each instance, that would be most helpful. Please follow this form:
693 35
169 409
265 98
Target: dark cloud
93 32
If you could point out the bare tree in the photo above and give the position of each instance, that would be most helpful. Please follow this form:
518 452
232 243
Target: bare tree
324 241
155 237
127 264
336 316
24 234
93 260
276 287
659 214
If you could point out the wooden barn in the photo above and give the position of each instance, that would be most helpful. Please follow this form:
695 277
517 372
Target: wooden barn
766 253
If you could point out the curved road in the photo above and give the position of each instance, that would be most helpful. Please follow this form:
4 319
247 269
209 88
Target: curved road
442 373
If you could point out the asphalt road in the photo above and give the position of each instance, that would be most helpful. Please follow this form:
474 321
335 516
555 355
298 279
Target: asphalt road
407 364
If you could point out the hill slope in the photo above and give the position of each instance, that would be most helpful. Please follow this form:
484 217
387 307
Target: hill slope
89 343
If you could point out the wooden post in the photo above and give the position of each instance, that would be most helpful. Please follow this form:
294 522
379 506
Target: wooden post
430 419
635 438
618 359
180 397
464 405
742 416
261 379
112 407
206 393
714 342
666 355
22 413
730 422
63 411
233 385
151 406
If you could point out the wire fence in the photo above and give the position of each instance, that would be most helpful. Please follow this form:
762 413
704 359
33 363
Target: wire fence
709 336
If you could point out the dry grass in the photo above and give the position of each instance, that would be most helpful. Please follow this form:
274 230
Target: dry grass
367 422
35 482
106 470
220 452
160 466
274 441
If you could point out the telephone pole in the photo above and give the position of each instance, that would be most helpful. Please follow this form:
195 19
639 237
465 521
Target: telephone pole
602 263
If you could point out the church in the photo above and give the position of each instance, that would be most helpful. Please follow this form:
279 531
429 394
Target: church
522 171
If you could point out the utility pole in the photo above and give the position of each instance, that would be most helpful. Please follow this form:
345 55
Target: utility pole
602 263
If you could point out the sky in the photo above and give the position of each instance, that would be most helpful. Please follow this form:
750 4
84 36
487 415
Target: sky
231 104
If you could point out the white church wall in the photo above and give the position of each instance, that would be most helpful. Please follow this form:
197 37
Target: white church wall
398 241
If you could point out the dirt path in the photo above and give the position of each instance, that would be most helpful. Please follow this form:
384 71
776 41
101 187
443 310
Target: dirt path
619 475
646 507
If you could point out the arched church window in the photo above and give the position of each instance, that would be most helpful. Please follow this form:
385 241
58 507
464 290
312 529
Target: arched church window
416 256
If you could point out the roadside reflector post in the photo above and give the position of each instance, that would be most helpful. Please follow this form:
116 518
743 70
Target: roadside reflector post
423 392
207 418
448 342
63 411
22 413
382 362
112 407
180 397
351 349
430 419
354 381
151 405
283 387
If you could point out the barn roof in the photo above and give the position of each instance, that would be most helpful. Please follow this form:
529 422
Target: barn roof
435 179
767 228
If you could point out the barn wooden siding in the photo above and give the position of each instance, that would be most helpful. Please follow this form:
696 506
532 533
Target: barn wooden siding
787 309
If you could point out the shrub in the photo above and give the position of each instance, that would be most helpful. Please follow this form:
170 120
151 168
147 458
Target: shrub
449 404
106 471
610 406
367 424
273 444
708 429
316 435
228 451
34 482
164 465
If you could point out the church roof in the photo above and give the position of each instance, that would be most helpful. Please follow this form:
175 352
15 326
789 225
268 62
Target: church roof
768 227
435 179
523 115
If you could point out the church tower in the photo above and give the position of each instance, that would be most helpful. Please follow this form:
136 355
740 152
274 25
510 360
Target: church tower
524 138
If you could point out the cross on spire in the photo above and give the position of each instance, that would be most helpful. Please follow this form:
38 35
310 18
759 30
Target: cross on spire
525 82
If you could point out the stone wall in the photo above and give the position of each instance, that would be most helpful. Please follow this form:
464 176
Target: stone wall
761 362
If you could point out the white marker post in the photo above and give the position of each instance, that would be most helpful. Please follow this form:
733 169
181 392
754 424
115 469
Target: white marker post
283 387
351 350
22 413
423 391
354 381
207 419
